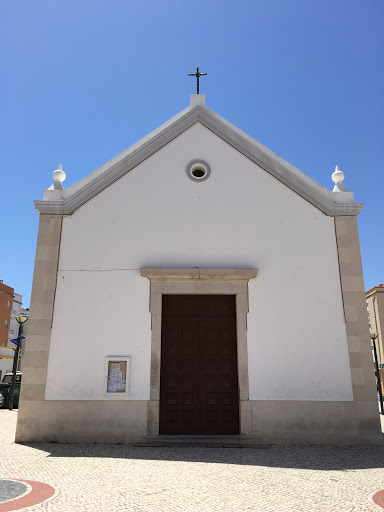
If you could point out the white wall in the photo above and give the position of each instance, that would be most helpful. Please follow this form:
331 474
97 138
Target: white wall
155 216
96 315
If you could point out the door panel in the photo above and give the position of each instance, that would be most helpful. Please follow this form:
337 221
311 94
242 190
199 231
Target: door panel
199 382
178 381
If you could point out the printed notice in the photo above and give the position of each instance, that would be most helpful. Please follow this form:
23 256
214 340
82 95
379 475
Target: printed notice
117 372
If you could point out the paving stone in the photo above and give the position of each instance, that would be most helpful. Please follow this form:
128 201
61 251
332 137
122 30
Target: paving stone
124 478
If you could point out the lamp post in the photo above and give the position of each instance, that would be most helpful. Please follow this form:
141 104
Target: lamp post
20 320
374 337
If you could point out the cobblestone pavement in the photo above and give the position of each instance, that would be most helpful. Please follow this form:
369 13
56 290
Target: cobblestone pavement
119 478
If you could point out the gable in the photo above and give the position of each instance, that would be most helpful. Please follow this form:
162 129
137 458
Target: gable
156 214
73 198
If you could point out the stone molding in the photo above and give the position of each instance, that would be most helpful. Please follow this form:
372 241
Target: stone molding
199 281
165 274
363 412
374 291
330 203
35 361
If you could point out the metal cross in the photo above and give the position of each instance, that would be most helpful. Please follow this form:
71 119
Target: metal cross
197 75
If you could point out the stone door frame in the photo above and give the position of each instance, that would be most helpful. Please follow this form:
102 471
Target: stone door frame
199 281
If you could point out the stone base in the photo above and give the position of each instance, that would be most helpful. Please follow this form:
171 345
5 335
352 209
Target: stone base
270 421
99 421
321 423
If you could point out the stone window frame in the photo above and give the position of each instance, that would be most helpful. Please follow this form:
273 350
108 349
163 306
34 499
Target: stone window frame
198 163
199 281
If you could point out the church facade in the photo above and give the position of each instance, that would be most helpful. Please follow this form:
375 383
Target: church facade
198 284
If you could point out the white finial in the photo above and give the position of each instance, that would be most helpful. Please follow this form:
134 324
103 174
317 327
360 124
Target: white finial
59 176
337 178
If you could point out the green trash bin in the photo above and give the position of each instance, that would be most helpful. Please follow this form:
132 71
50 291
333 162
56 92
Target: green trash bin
5 389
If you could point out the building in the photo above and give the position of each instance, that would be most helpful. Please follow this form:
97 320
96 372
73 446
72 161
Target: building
375 305
159 269
10 308
6 300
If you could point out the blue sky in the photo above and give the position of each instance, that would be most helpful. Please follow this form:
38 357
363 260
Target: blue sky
83 80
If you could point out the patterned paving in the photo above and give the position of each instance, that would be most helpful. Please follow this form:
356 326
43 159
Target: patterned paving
378 498
98 478
10 489
19 494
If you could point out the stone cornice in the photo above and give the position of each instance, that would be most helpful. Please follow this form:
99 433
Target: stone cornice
181 274
77 195
373 291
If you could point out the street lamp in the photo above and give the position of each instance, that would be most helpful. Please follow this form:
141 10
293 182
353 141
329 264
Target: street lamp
20 320
374 337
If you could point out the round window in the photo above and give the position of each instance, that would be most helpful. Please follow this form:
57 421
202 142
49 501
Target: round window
198 170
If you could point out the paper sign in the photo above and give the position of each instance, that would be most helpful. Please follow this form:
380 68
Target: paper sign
117 374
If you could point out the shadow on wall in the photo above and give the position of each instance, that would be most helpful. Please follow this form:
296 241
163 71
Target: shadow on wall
324 458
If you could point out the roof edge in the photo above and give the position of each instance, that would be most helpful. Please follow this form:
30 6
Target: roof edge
373 291
330 203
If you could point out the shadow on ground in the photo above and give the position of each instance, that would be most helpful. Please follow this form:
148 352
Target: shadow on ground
325 458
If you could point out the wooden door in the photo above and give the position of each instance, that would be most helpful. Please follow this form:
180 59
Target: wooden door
198 382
